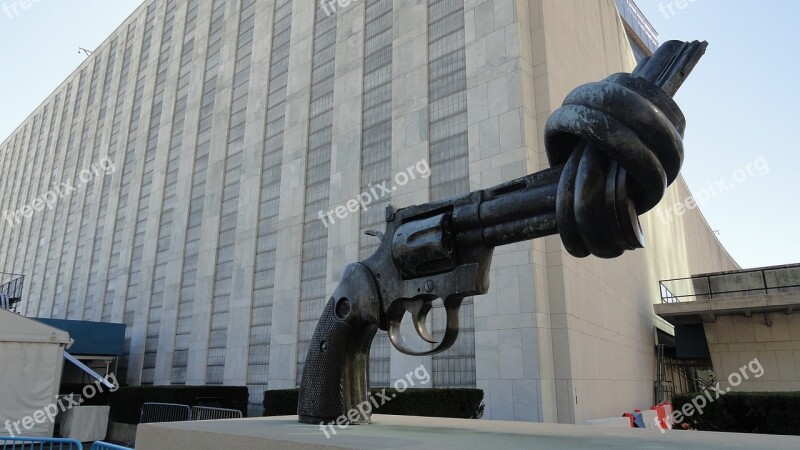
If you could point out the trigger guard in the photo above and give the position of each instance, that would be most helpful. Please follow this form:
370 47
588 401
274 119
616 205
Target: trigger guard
399 343
395 317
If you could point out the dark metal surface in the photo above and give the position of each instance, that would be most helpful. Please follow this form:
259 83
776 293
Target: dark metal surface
614 147
336 373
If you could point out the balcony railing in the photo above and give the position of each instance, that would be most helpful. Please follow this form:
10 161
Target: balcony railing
11 286
767 280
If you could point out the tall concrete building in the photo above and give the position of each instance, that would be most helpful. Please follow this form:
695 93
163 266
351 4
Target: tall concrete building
204 140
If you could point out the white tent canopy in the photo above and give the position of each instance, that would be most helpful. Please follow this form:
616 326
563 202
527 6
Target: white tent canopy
31 359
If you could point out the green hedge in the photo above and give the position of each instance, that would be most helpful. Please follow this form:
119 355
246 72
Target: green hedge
280 402
126 402
745 412
456 402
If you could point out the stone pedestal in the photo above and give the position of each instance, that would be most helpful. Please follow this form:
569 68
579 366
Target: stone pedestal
410 432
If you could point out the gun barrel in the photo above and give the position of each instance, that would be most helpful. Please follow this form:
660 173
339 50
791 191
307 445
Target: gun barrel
526 208
615 146
520 210
671 64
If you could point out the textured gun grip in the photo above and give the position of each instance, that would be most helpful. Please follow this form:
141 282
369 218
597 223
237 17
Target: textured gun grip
321 396
336 372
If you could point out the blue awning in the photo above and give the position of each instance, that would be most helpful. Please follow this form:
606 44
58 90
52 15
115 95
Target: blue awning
91 338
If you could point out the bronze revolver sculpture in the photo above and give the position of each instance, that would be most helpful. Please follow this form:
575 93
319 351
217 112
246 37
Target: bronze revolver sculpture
614 147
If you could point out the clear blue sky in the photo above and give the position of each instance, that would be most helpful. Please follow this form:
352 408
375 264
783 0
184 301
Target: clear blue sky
741 103
40 48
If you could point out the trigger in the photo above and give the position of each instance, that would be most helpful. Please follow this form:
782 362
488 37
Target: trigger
419 311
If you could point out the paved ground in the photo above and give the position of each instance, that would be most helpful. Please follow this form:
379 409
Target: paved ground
407 432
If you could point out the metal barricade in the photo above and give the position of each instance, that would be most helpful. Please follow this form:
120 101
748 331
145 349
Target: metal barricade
37 443
209 413
100 445
164 412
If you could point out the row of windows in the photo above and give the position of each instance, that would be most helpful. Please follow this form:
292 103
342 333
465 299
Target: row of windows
124 280
55 301
156 289
376 149
315 241
185 299
37 228
448 157
34 306
168 209
34 148
266 243
118 151
226 243
76 303
31 147
96 243
67 300
198 191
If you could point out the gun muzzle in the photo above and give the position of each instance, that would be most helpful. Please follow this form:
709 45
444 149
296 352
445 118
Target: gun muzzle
615 146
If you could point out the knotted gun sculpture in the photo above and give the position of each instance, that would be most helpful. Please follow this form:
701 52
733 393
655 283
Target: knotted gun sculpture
614 147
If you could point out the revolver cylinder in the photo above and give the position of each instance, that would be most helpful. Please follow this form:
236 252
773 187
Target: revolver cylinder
424 247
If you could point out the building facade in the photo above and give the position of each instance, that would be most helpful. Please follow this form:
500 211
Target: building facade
203 143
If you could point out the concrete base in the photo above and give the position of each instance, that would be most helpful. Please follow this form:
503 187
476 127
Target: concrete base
410 432
121 432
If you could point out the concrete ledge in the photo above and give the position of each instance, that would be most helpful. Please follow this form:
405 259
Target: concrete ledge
409 432
706 310
121 432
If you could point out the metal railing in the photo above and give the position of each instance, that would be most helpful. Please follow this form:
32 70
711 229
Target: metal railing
209 413
638 22
767 280
11 287
164 412
100 445
38 443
